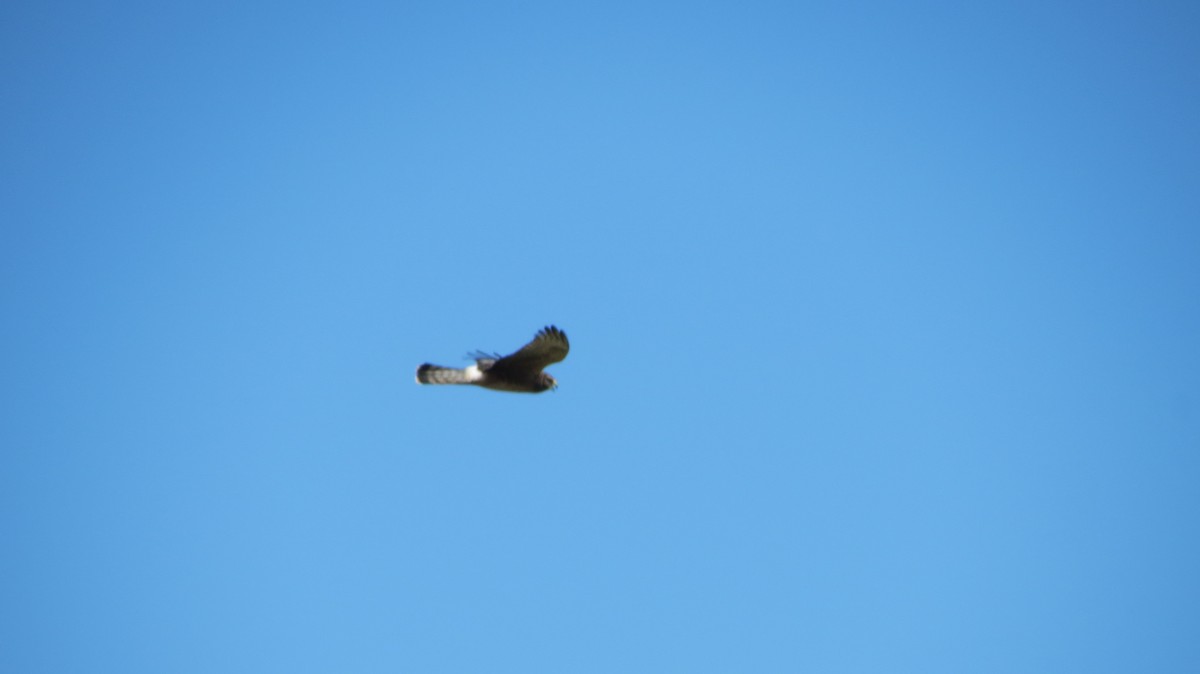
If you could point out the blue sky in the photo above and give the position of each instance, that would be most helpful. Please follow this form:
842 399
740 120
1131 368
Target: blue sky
884 336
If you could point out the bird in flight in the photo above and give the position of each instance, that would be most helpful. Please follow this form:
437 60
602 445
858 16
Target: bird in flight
519 372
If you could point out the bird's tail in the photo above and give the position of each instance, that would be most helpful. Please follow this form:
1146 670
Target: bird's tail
436 374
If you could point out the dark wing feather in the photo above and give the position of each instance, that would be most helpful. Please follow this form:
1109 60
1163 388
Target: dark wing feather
549 346
483 359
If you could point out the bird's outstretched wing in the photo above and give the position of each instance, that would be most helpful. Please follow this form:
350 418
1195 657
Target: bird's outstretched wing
548 347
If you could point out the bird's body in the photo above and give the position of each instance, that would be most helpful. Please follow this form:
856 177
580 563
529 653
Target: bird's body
520 372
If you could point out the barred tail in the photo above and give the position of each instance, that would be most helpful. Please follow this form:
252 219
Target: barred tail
436 374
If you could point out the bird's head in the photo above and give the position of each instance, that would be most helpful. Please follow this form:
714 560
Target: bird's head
548 383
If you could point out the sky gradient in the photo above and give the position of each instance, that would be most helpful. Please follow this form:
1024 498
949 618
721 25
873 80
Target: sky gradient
884 330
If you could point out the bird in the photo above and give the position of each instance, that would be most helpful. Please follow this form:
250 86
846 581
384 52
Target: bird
520 372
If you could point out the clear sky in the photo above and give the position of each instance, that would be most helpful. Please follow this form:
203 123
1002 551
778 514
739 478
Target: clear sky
885 325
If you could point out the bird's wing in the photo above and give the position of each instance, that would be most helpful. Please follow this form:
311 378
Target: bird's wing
483 359
548 346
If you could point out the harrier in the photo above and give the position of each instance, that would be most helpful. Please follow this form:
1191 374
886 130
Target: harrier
520 372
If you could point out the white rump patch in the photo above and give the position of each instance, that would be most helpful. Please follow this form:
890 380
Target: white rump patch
472 373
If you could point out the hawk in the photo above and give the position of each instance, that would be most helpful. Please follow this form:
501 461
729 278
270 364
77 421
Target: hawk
519 372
